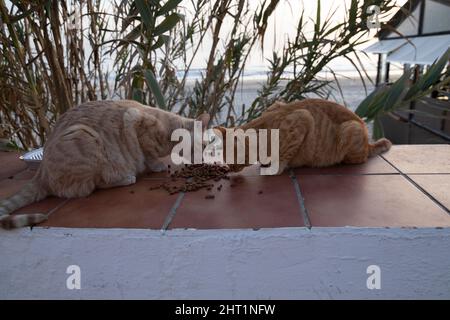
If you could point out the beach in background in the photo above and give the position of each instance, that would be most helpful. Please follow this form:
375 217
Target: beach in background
351 93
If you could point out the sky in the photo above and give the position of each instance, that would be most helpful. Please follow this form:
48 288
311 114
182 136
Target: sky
282 25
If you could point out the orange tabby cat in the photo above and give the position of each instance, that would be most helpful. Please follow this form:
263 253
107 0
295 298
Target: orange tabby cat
98 144
314 133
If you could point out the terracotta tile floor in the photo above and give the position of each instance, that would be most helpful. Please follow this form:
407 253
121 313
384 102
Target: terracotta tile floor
251 203
420 158
407 187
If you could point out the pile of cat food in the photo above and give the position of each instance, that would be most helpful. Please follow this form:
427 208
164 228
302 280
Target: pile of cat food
194 177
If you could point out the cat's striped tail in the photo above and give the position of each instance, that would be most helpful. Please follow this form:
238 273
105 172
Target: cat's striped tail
27 195
380 146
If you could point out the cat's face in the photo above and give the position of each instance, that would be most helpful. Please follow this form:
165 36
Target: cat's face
222 133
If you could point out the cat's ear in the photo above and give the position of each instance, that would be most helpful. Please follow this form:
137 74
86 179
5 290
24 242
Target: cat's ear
204 118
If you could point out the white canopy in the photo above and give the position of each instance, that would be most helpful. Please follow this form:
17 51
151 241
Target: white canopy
415 50
385 46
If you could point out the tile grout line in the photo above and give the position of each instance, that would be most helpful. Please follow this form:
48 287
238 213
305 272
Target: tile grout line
59 206
300 199
173 209
421 189
427 193
53 210
172 212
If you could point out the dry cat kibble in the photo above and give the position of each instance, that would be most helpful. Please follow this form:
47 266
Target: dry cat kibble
194 177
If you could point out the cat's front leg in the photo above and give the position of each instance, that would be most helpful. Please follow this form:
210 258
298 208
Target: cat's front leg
284 165
156 165
125 181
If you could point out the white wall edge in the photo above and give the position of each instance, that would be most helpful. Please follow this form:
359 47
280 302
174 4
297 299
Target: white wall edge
281 263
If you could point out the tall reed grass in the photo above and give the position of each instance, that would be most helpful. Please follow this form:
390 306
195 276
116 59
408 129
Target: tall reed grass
144 49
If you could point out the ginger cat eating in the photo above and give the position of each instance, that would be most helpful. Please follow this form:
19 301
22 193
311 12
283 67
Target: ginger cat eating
314 133
99 144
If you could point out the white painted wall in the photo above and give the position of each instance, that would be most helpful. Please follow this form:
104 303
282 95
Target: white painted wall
286 263
437 17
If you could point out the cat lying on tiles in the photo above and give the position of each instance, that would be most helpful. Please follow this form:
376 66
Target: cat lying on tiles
99 144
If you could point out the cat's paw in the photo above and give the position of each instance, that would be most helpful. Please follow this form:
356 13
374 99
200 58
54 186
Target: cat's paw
129 180
280 171
125 181
157 166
